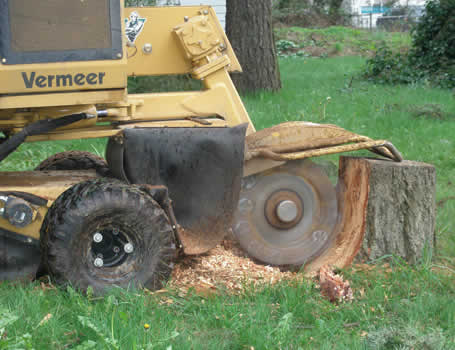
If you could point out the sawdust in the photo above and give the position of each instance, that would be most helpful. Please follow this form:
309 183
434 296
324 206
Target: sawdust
228 267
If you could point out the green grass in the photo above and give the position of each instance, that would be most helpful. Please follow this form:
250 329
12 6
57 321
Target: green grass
396 307
29 155
336 41
392 306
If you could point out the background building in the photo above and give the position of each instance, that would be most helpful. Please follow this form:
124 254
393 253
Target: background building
365 13
218 5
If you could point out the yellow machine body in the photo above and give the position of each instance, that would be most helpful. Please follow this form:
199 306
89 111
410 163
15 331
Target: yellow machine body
181 40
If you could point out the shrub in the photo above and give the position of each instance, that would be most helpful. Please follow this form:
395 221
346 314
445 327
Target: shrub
306 13
136 3
432 56
387 67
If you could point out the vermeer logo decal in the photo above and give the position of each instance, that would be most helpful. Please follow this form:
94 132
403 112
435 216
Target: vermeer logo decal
62 80
134 26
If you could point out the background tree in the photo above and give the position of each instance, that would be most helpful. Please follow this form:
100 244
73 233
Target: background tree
249 28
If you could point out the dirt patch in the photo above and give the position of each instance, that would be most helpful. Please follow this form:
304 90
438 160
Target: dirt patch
338 41
316 51
429 111
305 18
295 36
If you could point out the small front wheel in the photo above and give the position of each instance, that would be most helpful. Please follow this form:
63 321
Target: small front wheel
101 233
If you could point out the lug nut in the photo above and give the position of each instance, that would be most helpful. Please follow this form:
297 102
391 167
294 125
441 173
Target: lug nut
245 205
98 262
115 231
128 248
116 250
97 237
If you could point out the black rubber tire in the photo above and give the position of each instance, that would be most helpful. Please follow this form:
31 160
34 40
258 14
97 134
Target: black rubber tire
101 204
75 160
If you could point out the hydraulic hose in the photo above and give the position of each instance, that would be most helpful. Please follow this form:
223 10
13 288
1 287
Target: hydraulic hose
37 128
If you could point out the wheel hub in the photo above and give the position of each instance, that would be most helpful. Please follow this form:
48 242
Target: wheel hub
110 247
287 211
284 209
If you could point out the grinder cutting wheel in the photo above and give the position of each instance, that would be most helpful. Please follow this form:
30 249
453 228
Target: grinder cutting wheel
289 212
286 215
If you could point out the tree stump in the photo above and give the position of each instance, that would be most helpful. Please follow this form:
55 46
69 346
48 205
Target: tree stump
385 208
400 217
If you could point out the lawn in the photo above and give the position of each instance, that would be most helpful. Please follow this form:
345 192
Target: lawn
394 306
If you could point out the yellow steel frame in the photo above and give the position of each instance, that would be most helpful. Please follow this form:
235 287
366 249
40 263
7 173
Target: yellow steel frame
183 40
48 186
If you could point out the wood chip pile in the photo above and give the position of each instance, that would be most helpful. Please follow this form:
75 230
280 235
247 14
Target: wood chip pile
226 266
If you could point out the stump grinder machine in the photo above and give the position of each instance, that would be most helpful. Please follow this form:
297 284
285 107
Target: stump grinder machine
181 169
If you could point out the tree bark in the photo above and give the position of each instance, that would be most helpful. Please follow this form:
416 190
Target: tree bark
249 28
400 217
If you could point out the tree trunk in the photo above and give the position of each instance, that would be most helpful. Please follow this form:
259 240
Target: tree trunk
249 28
400 217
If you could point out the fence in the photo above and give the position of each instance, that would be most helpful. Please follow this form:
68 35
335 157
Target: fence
378 21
